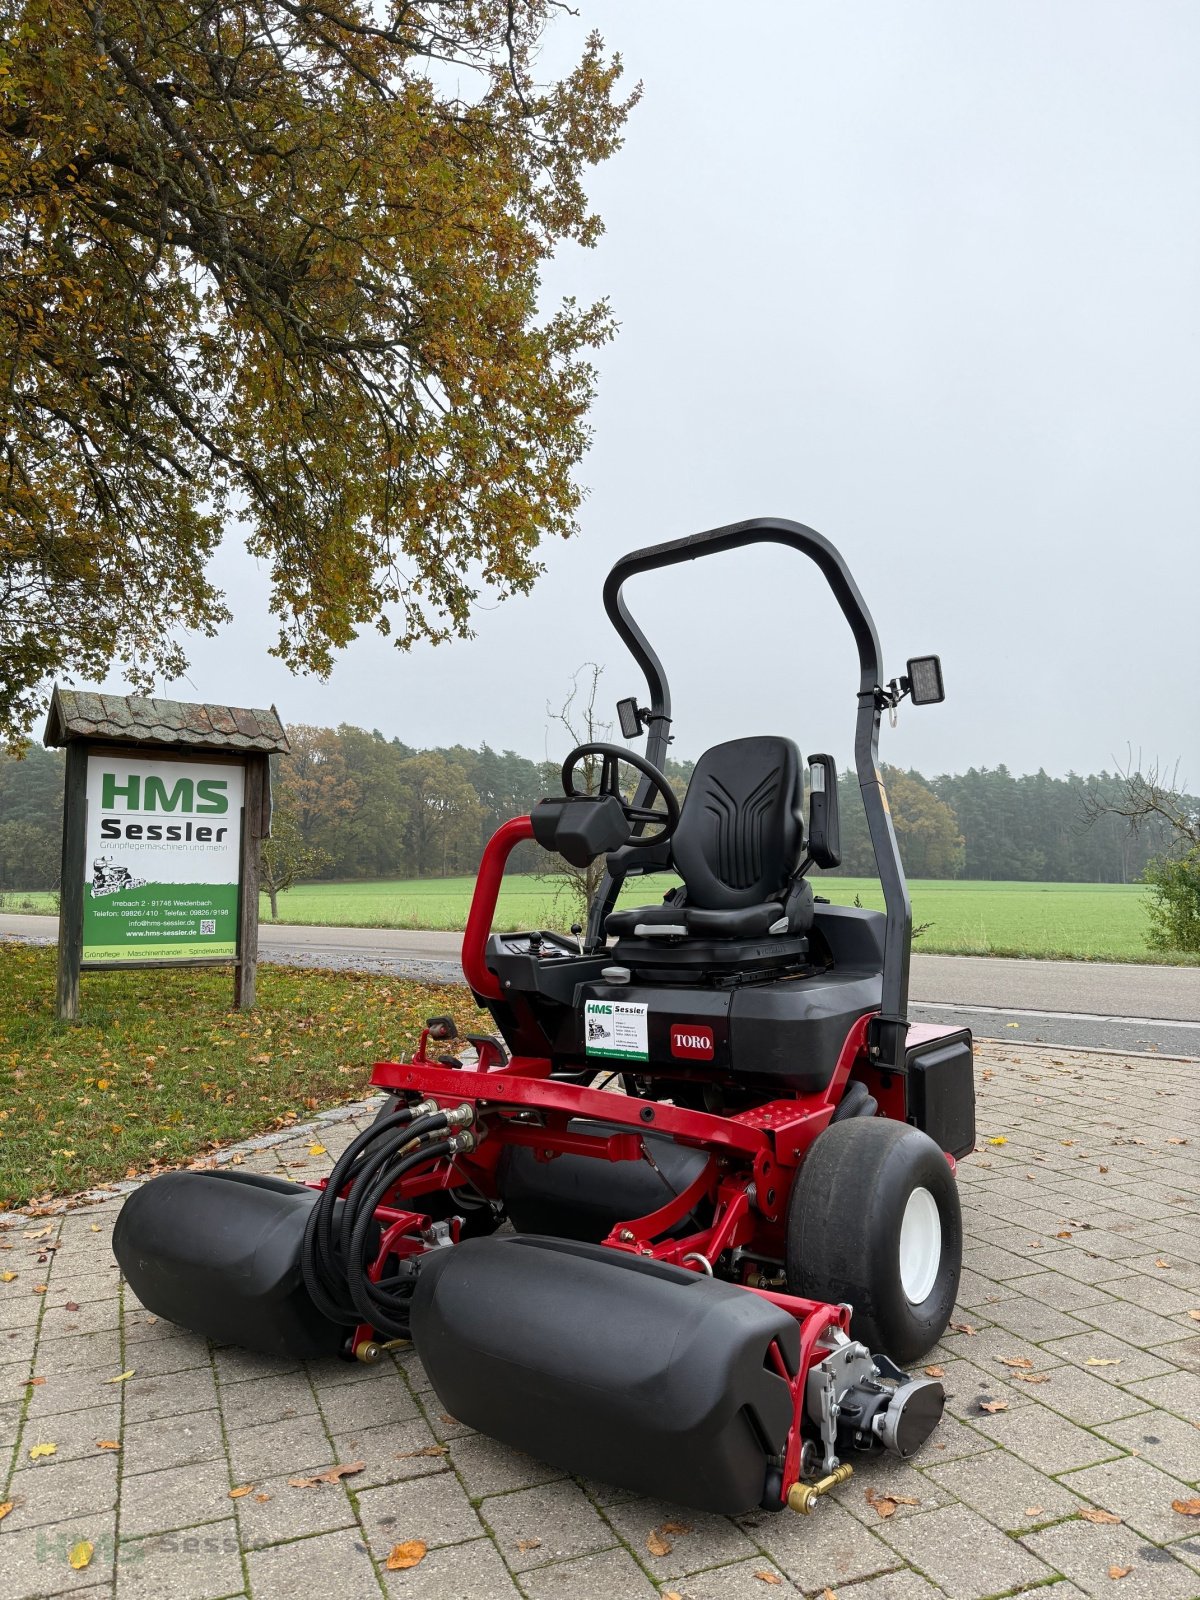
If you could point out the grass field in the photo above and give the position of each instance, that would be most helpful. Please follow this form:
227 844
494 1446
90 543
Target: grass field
1090 922
1060 921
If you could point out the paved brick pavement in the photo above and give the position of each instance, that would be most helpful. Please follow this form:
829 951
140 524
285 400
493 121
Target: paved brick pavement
1082 1260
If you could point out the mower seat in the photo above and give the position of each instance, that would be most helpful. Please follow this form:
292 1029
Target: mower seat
737 847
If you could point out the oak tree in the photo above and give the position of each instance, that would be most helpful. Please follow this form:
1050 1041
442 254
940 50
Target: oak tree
280 261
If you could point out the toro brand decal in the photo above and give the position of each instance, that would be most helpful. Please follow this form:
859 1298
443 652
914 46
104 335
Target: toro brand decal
693 1041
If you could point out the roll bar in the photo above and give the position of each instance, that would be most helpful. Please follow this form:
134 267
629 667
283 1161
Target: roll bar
889 1028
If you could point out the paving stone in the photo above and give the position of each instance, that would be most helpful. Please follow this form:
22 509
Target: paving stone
969 1387
1009 1492
391 1453
937 1541
299 1444
240 1366
172 1395
274 1399
1045 1440
200 1563
610 1574
488 1467
155 1445
899 1585
36 1560
1177 1392
76 1432
712 1541
1078 1395
1134 1324
162 1357
1139 1492
49 1490
433 1509
1067 1294
474 1571
97 1354
880 1476
1033 1320
951 1440
1083 1552
827 1549
354 1406
1131 1363
1169 1442
93 1315
1155 1294
175 1497
1184 1352
445 1427
556 1519
66 1392
291 1513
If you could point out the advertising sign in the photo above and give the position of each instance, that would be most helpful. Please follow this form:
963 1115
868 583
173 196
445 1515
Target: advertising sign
616 1028
162 856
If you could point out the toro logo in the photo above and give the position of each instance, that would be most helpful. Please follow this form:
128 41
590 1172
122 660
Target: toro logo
692 1040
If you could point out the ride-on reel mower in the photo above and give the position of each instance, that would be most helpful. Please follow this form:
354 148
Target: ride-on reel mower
710 1281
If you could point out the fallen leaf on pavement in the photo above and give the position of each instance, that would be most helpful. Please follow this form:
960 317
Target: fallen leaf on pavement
828 1594
425 1450
768 1577
1092 1514
1186 1508
1195 1315
236 1494
408 1554
964 1327
1032 1377
261 1497
993 1405
122 1376
934 1372
107 1444
1015 1361
7 1277
884 1504
71 1305
40 1288
1119 1572
34 1383
5 1507
1176 1141
656 1544
999 1139
39 1450
317 1150
1034 1511
80 1554
676 1527
1103 1361
330 1475
1162 1262
528 1544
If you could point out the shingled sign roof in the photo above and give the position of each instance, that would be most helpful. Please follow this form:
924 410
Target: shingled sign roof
172 724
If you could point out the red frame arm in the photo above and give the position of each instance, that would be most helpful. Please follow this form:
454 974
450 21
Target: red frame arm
483 905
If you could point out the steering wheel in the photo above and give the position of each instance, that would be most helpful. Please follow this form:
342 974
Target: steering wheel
611 757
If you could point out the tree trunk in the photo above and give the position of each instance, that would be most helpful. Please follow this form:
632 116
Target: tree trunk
274 894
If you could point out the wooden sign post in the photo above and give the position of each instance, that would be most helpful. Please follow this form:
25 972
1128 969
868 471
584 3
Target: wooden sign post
166 806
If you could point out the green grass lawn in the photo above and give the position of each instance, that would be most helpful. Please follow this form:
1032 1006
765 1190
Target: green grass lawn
1065 921
1080 921
160 1068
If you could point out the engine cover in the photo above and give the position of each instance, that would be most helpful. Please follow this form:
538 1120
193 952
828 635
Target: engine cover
609 1365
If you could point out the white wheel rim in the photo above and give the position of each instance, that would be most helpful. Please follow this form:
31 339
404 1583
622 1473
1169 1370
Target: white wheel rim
920 1246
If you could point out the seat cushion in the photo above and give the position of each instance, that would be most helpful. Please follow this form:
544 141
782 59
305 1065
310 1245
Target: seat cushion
668 921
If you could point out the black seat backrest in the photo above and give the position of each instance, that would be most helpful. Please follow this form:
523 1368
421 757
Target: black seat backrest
740 829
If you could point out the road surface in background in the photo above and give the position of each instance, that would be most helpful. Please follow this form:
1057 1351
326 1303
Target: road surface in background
1079 1004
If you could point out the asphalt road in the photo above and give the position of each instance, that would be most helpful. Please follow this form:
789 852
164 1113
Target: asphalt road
1084 1005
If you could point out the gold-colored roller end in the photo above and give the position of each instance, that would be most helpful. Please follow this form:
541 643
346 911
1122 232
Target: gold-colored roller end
803 1497
368 1352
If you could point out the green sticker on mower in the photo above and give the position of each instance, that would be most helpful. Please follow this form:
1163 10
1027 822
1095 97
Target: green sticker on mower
617 1028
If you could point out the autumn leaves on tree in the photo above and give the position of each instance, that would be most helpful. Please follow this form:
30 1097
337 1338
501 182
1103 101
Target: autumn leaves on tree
282 262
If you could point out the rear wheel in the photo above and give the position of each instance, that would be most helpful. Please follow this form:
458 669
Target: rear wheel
874 1219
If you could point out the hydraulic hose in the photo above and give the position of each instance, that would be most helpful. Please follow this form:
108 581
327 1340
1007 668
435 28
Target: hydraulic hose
338 1235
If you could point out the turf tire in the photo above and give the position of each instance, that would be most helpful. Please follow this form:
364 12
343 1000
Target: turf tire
844 1225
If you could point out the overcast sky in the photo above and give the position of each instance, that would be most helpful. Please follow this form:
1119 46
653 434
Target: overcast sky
923 276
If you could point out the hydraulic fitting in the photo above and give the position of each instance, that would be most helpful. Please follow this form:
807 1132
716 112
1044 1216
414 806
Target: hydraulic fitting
368 1352
460 1117
461 1144
423 1108
803 1497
